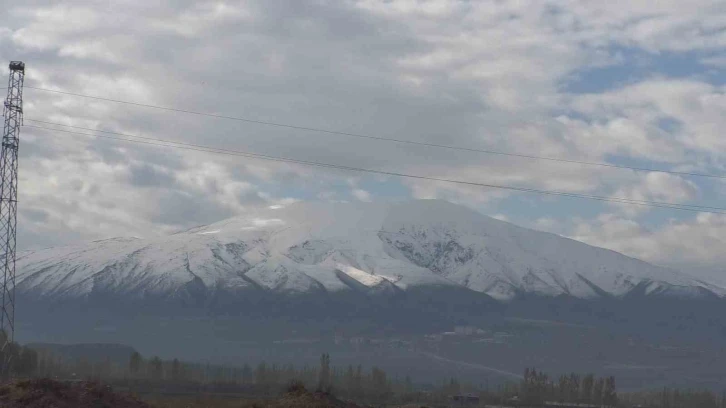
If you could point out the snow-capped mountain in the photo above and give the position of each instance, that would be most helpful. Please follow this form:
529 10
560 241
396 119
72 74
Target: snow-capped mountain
374 249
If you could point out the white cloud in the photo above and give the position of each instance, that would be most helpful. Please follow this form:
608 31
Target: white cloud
627 119
670 25
90 50
546 224
679 243
48 27
473 74
717 62
190 23
501 217
654 186
361 195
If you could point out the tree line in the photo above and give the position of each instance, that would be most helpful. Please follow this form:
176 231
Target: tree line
537 387
371 385
22 361
354 382
676 398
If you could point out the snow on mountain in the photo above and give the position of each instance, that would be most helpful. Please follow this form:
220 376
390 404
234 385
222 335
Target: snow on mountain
362 247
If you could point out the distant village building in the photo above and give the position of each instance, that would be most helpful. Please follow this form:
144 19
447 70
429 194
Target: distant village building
464 400
357 341
465 330
490 340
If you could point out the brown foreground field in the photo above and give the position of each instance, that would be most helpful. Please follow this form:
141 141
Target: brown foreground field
44 393
295 397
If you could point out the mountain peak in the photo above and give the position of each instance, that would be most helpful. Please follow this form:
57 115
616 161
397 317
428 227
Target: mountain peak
358 247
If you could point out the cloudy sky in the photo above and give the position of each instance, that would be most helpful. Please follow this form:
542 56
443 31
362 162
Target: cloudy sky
636 83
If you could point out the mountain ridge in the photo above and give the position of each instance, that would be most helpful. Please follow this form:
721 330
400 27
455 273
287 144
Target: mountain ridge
367 248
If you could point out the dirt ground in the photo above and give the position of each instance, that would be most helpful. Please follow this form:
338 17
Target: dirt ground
44 393
295 397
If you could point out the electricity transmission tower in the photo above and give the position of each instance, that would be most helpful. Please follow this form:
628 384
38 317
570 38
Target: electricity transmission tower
13 115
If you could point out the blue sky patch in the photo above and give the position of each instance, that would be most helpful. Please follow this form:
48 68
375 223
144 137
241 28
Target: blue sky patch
633 65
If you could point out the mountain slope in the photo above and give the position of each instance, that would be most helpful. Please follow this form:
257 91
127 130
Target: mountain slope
372 249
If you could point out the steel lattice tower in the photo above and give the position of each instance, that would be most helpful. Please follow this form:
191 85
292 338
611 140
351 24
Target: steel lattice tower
13 115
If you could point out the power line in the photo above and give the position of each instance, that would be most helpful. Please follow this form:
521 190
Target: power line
207 149
384 139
